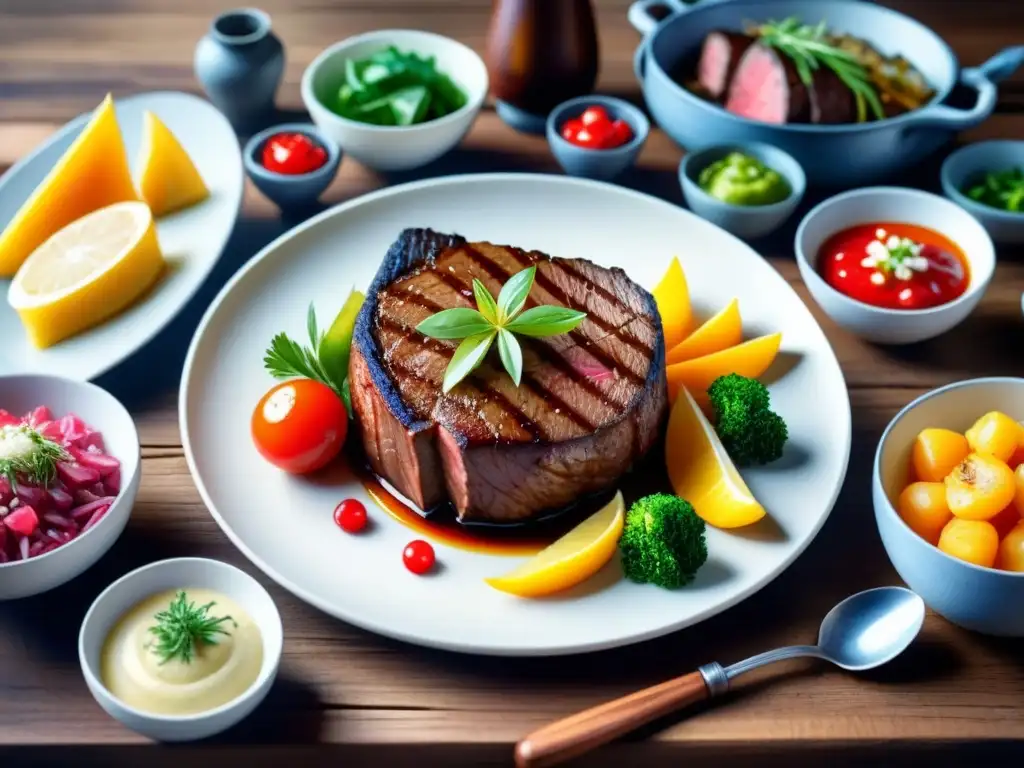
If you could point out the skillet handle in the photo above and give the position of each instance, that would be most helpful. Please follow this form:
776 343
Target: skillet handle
645 22
983 79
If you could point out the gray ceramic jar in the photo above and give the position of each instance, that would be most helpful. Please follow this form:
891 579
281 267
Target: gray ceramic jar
239 63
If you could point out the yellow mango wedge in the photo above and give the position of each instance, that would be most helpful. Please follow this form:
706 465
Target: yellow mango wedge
92 174
168 179
720 332
673 299
572 559
702 472
751 359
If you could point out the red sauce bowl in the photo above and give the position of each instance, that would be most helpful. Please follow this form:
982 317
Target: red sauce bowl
882 324
291 191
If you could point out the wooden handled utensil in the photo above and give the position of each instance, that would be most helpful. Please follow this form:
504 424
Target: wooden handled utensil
864 631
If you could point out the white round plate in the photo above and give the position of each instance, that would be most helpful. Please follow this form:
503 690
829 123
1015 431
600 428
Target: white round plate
284 523
191 240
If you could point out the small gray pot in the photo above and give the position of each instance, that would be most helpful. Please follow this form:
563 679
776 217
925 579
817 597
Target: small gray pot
239 63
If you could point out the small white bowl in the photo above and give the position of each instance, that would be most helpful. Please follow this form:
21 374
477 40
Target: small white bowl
981 599
180 573
396 148
100 410
894 204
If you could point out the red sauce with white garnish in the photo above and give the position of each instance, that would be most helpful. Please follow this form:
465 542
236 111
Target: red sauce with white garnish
894 266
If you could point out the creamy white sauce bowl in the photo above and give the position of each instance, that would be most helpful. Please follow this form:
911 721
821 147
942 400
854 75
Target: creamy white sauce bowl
180 573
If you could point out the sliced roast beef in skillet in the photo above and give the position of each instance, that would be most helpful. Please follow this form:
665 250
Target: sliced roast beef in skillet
590 403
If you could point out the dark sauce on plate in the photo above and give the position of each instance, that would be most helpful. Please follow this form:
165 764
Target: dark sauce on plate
441 524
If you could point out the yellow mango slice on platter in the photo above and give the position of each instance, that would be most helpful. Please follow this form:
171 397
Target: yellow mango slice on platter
168 179
751 359
92 174
673 299
720 332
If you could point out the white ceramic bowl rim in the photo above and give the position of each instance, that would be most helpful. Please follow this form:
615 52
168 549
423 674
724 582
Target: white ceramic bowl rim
797 181
255 144
637 120
972 206
267 668
126 479
473 101
978 282
877 469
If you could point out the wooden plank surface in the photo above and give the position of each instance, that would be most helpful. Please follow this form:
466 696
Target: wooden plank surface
363 698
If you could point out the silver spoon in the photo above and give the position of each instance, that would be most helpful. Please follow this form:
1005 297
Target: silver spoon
864 631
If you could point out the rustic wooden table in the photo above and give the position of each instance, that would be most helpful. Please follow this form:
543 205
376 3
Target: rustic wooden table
349 696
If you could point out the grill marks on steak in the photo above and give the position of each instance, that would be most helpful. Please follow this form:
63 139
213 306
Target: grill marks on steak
614 345
590 402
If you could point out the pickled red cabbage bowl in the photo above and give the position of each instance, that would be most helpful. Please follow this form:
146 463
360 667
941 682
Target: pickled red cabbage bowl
69 474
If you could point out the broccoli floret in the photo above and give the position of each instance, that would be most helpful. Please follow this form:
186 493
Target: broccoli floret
750 431
662 542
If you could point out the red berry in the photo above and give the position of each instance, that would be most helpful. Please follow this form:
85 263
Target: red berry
350 516
418 556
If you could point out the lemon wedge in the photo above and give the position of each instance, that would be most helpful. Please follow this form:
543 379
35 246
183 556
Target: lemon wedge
87 272
702 472
572 559
168 179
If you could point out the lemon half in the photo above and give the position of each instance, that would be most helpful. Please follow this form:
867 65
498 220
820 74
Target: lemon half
87 272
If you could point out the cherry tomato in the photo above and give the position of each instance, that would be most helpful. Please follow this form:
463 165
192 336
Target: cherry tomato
621 133
293 154
570 129
593 115
418 556
350 515
594 129
587 138
299 425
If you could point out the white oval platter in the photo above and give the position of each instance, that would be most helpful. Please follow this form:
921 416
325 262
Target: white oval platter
284 524
192 240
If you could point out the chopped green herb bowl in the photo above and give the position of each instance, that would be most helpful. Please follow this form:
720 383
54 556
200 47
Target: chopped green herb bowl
969 166
180 574
395 99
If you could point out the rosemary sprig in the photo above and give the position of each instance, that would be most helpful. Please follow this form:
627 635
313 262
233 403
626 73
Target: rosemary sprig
809 49
33 456
183 627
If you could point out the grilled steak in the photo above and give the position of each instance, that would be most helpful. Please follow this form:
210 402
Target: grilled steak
591 402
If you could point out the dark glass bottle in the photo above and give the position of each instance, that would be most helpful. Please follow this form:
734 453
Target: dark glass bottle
539 54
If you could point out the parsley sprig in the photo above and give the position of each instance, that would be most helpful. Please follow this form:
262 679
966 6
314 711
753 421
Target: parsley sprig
497 320
183 627
287 359
809 49
325 359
